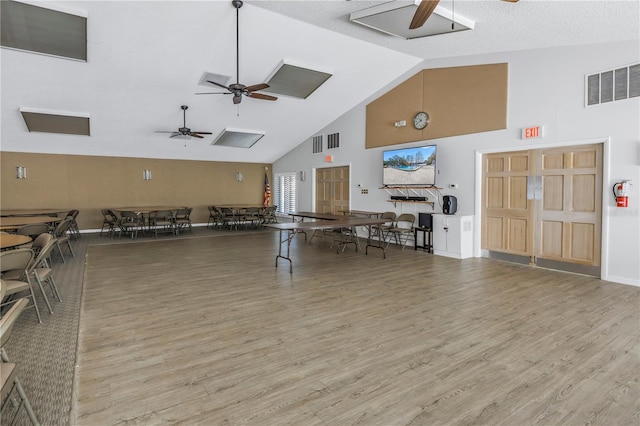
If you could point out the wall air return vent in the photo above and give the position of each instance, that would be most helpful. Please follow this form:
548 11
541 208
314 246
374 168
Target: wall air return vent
43 30
612 85
333 141
69 123
316 142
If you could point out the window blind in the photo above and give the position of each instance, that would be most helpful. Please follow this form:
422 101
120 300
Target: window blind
285 193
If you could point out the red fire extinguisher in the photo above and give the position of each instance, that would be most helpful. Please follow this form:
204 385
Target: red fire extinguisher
621 192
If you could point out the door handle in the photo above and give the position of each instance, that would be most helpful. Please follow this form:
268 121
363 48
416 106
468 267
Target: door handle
534 187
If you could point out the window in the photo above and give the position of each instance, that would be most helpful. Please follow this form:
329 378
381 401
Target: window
284 195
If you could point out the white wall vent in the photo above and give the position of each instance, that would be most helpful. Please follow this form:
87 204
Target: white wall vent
333 141
612 85
316 144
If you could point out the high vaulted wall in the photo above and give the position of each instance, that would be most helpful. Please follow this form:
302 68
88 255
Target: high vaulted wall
458 100
545 88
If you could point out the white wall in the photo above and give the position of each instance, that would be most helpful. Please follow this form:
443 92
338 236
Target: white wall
546 87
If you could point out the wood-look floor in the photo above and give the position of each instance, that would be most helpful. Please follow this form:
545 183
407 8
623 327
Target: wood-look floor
207 331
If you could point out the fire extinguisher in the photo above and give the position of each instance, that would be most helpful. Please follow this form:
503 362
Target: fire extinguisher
621 192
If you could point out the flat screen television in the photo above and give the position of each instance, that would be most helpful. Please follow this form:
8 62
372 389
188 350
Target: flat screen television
409 166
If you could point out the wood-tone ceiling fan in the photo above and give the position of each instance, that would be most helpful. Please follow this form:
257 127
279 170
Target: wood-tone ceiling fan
184 130
425 9
237 89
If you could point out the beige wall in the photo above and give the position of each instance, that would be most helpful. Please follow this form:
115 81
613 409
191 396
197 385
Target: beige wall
459 101
91 184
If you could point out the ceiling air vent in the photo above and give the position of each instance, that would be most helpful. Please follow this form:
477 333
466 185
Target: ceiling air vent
393 18
613 85
70 123
296 80
238 138
43 30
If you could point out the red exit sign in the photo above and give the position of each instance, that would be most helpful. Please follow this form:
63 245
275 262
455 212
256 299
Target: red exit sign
532 132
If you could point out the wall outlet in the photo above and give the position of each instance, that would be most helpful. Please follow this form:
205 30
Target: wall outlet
364 191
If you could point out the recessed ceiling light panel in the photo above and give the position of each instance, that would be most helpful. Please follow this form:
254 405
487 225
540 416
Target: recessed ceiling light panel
394 18
218 78
43 30
296 80
45 121
238 138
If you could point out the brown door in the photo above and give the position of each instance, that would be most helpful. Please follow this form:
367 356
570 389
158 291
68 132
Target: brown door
332 189
569 213
544 204
508 213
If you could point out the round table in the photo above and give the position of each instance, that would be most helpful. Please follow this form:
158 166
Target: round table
11 241
15 222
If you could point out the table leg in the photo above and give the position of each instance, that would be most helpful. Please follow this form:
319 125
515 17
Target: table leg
293 219
290 235
351 234
427 235
380 244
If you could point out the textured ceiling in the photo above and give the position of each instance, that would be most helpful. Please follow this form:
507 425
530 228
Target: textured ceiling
500 26
146 58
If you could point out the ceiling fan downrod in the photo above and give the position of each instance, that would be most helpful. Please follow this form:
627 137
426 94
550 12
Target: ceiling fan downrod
238 89
237 4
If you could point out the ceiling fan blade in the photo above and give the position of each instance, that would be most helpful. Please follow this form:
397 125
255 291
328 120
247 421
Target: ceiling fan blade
175 134
164 131
213 93
512 1
425 9
237 99
256 87
195 135
218 84
262 96
201 133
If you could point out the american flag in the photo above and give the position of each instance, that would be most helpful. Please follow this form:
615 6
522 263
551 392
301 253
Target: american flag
267 191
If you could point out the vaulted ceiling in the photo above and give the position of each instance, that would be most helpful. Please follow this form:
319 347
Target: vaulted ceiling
146 58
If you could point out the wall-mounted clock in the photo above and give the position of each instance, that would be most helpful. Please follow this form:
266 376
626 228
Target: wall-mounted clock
421 120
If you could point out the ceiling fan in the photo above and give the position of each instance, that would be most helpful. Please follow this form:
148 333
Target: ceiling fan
237 89
426 8
184 130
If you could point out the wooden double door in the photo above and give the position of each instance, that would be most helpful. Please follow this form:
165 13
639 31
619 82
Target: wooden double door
332 189
544 204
